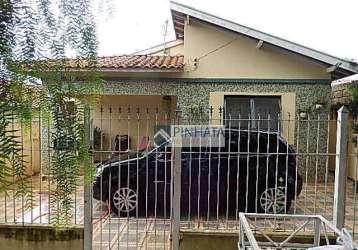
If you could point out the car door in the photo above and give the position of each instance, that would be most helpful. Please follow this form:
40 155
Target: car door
194 181
162 180
243 158
157 179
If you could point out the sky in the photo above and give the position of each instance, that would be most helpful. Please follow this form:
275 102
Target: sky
330 26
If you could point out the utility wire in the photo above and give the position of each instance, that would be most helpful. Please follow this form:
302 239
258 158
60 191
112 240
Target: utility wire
221 46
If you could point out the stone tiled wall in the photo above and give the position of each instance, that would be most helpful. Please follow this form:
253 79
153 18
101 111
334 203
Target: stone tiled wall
340 94
189 92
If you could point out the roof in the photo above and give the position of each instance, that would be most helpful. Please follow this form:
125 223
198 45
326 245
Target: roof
124 63
180 12
134 63
159 47
349 79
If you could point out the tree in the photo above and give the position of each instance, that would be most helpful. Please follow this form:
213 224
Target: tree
34 42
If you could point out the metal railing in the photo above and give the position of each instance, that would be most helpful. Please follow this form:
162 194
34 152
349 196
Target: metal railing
286 231
34 204
269 164
203 187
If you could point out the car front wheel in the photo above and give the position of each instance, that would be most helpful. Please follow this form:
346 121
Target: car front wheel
124 201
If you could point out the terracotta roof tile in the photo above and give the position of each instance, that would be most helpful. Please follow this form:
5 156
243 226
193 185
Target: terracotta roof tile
135 62
121 63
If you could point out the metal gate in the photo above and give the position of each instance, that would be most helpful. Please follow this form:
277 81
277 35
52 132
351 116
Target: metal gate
131 208
147 188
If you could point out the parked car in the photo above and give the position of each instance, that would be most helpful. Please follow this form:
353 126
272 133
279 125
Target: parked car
255 171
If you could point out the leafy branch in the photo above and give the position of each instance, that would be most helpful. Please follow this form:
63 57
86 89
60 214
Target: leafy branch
34 42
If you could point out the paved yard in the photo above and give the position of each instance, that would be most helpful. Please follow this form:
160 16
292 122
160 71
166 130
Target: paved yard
111 232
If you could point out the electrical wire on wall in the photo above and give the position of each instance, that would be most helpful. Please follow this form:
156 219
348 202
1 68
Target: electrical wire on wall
196 60
216 49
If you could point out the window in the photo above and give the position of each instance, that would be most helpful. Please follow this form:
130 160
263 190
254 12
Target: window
256 112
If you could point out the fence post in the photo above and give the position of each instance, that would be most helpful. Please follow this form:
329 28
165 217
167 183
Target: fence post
176 191
87 213
317 231
341 168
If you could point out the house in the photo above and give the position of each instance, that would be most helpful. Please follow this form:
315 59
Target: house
217 66
214 72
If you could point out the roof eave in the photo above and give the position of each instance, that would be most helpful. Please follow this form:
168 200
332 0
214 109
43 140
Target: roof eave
253 33
131 70
346 80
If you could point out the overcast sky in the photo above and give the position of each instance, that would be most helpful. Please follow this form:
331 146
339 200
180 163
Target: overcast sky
327 25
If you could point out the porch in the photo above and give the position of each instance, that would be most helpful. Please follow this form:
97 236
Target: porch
126 122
